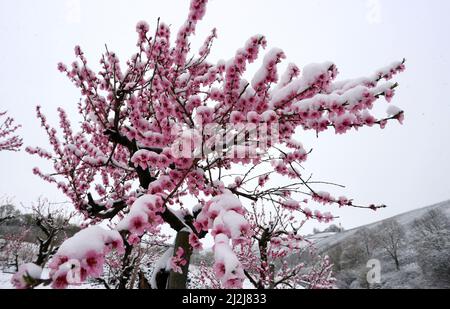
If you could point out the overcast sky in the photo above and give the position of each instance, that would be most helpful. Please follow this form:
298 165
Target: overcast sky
405 167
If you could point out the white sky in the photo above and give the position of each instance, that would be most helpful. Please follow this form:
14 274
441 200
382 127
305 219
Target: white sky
405 167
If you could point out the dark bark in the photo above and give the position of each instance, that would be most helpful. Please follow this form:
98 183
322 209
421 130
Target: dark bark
16 262
46 246
397 263
143 282
262 244
174 280
127 267
161 279
44 250
4 219
95 210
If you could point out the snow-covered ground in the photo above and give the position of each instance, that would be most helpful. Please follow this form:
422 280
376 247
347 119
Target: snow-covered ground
5 281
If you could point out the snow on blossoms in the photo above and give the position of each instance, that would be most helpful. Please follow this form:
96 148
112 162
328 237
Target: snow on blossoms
224 216
143 215
169 126
25 277
177 261
82 256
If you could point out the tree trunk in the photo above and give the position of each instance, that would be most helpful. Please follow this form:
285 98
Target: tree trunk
262 244
134 273
177 280
143 282
397 263
16 262
127 267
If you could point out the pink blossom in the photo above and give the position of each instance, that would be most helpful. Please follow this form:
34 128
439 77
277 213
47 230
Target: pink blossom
177 261
253 117
219 269
142 27
220 229
236 117
60 281
308 213
400 117
138 224
343 201
93 263
234 283
291 205
195 242
323 197
389 94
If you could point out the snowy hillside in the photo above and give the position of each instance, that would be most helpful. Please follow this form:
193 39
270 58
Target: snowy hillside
423 239
326 240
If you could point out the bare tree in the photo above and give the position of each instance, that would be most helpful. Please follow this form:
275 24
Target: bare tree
142 256
16 250
52 222
391 238
433 222
334 229
353 254
335 254
368 240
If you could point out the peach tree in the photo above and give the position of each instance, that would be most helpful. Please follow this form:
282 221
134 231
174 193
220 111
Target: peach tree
169 138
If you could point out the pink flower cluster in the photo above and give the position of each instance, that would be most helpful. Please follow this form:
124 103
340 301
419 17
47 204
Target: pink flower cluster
150 160
144 214
316 78
196 13
177 261
236 67
224 216
326 217
227 268
268 73
194 241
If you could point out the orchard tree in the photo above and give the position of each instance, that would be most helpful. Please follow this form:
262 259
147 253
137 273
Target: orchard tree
9 141
16 250
51 221
368 239
276 235
169 137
